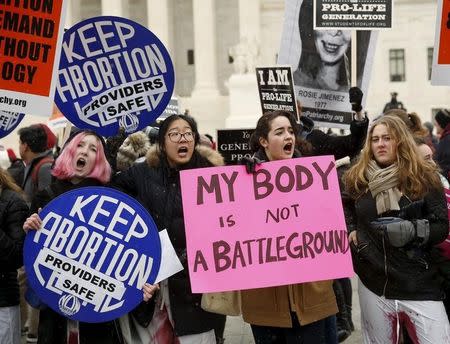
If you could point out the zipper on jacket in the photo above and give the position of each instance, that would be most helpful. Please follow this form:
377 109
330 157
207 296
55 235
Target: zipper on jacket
385 268
424 262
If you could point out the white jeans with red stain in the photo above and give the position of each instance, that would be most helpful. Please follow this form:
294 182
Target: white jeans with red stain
382 319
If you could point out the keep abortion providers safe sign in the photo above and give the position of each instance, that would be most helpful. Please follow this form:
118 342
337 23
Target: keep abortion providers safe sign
94 252
113 73
9 121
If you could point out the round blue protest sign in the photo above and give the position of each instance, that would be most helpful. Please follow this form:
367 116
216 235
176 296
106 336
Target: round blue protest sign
9 121
95 250
113 73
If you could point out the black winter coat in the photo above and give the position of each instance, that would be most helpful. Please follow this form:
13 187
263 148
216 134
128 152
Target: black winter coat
157 187
406 273
340 146
13 213
443 152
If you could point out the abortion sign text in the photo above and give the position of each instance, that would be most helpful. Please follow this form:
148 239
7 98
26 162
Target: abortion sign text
113 73
95 250
9 121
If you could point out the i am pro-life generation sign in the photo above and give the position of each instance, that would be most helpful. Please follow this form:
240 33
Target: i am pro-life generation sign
113 73
353 14
276 89
284 224
96 249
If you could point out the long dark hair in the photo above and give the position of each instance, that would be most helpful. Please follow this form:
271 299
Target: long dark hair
263 127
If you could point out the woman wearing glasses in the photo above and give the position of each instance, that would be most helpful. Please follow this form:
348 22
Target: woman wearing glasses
177 317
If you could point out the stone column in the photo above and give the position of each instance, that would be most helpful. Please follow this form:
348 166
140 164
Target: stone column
205 51
112 8
158 22
73 14
249 19
244 103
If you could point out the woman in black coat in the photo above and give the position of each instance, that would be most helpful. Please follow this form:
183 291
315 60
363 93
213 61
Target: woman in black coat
155 183
399 216
81 163
13 212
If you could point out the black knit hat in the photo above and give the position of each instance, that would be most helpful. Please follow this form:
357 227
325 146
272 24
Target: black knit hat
442 118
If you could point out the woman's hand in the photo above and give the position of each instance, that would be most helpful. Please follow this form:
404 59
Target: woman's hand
250 163
149 290
33 222
352 238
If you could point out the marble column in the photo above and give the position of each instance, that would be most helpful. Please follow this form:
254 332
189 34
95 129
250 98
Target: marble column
158 21
205 52
112 8
249 19
244 103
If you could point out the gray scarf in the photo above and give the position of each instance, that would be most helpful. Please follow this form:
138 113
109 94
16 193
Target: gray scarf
383 184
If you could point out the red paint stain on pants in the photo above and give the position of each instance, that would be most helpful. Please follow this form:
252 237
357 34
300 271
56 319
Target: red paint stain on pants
405 322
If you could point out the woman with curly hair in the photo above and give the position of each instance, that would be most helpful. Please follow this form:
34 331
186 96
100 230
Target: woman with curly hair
399 216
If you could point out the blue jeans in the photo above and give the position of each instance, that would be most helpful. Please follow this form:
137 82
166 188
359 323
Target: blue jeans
313 333
330 330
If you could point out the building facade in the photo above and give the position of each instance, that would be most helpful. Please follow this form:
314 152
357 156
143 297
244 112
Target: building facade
202 37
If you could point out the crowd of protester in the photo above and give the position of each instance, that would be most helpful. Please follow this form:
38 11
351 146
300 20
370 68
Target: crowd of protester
392 186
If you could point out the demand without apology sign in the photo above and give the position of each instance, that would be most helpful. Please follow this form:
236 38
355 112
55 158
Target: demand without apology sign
113 73
95 250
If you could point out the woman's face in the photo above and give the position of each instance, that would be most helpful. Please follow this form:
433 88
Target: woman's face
426 152
85 156
384 146
179 143
280 142
332 44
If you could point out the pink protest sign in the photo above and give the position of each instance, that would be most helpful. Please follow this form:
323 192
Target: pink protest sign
282 225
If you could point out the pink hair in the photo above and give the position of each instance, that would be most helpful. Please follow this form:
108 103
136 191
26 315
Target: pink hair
63 168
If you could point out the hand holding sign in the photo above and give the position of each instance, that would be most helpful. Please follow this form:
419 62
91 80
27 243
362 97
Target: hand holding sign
94 251
149 290
33 222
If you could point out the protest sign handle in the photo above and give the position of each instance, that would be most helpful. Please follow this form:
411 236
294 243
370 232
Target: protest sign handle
66 132
354 59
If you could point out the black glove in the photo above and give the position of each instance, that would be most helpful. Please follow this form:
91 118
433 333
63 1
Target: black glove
250 163
400 232
307 124
355 95
412 211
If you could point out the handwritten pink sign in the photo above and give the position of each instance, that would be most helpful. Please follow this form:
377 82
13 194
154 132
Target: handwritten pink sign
282 225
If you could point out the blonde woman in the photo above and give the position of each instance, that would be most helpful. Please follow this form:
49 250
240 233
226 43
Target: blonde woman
399 216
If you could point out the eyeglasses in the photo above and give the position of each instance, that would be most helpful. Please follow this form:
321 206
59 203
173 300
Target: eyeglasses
175 137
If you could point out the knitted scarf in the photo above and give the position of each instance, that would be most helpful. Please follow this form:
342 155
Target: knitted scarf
383 184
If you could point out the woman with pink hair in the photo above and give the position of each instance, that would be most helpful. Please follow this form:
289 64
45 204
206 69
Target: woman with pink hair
81 163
